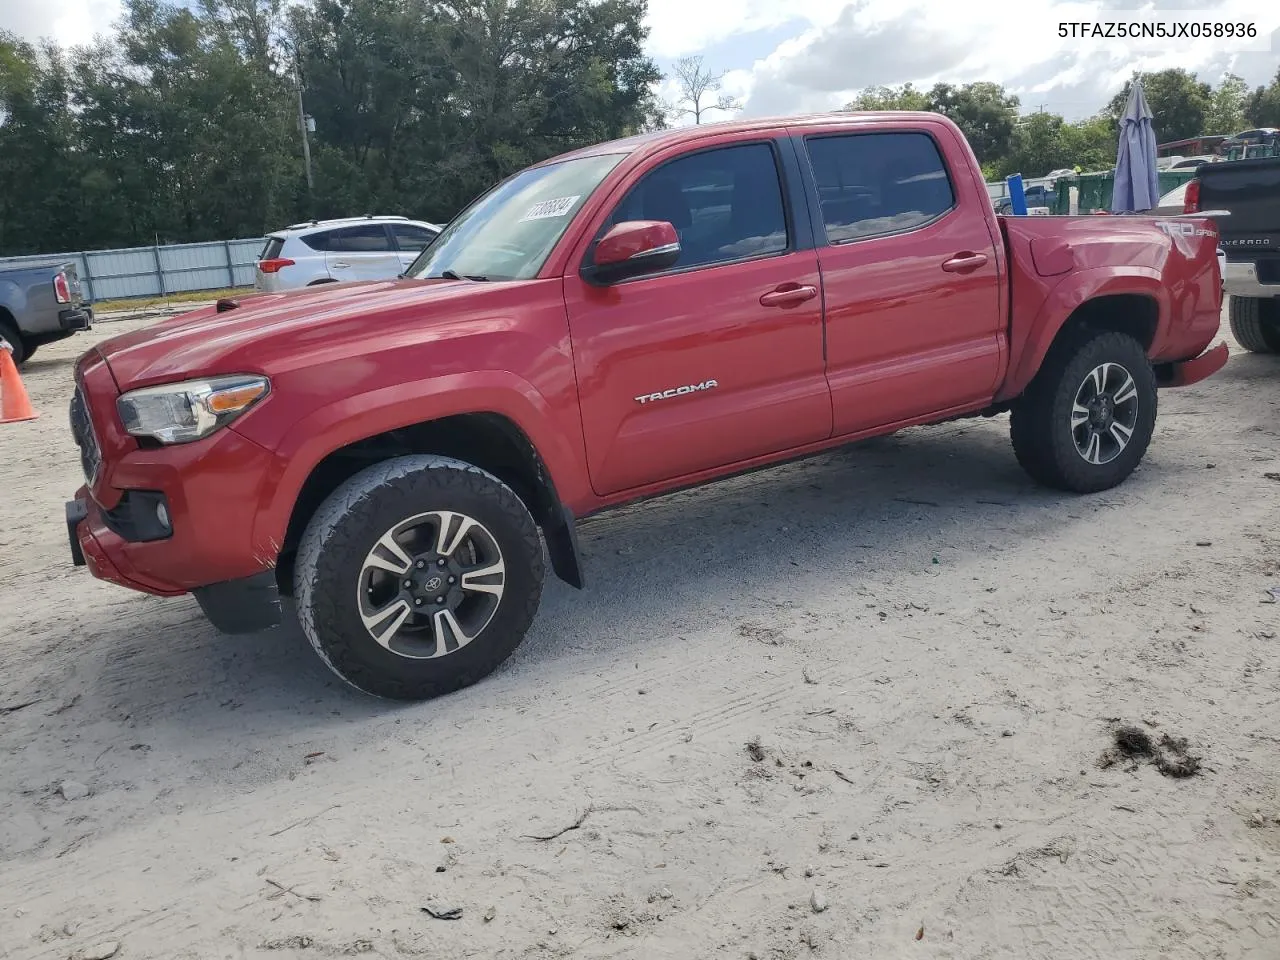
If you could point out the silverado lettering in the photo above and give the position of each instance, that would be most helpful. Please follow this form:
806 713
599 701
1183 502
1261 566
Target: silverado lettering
398 455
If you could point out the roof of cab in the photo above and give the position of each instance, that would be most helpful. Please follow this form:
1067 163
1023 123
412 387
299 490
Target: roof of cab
656 140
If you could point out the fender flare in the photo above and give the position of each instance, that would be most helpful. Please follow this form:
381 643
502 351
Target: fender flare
336 425
1074 291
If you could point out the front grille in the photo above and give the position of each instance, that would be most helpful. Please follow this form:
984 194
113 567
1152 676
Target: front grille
82 433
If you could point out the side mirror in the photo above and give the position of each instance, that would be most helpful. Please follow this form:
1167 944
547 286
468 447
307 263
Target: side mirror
633 248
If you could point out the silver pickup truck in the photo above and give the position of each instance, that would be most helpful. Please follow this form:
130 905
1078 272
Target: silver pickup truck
41 303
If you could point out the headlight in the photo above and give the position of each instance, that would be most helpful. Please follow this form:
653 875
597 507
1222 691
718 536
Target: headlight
182 412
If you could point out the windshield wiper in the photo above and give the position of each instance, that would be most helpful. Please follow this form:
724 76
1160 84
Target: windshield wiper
450 275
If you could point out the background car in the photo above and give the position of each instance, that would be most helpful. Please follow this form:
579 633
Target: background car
1191 163
331 251
1038 195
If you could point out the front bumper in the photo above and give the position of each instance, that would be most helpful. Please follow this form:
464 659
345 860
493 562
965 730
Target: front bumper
241 605
1241 280
1186 372
96 546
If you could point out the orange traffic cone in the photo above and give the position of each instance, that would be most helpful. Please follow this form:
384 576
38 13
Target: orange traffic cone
15 405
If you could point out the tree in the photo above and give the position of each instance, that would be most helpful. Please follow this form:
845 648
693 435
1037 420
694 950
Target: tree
1226 107
697 85
183 124
1090 144
1037 146
983 111
1179 103
41 165
1262 107
905 97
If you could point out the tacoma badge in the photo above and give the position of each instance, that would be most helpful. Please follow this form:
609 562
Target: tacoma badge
677 391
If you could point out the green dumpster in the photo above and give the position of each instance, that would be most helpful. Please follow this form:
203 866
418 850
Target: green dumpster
1095 189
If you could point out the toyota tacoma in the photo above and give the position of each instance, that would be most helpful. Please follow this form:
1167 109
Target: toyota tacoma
609 325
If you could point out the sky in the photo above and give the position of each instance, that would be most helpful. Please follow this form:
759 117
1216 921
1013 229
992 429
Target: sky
797 56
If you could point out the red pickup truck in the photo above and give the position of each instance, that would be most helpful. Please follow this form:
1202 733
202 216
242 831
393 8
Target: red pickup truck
613 324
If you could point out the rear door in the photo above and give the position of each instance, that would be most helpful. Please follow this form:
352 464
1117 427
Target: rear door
362 252
411 240
909 272
718 359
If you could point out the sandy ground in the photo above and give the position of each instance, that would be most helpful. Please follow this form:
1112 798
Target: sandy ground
929 652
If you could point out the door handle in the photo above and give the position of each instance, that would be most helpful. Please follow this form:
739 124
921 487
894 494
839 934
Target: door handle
339 265
964 262
788 295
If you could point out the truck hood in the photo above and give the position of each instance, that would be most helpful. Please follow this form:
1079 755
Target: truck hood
244 338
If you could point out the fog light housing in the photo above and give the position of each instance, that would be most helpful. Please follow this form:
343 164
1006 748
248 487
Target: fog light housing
140 516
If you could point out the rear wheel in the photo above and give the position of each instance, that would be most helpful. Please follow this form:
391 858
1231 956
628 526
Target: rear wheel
1255 323
418 576
1085 422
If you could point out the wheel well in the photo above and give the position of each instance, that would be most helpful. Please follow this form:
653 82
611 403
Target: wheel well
8 320
316 283
486 440
1134 314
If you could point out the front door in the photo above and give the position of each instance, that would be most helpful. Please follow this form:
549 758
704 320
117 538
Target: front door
911 278
718 359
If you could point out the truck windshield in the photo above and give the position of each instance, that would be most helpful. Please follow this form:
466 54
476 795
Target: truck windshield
509 232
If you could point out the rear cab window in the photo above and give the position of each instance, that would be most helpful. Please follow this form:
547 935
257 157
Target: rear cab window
878 184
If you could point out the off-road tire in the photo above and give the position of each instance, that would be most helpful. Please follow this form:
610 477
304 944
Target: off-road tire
1255 323
345 528
1040 421
21 352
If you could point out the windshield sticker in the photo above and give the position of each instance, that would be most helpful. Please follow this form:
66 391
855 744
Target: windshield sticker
549 209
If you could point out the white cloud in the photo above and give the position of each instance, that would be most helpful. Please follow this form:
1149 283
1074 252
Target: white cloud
837 47
841 47
69 22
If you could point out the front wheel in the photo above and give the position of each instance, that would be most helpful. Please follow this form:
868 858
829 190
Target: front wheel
1085 422
418 577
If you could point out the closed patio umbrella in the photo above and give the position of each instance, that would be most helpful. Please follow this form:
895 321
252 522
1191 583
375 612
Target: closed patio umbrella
1137 184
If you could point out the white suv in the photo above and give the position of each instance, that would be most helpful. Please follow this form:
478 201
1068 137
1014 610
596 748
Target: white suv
330 251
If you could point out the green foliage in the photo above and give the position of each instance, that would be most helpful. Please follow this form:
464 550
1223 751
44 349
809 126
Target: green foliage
184 125
1180 103
1034 144
1262 107
1090 144
1227 106
905 97
983 111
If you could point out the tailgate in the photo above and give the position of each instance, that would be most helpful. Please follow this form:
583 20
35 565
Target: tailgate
1250 190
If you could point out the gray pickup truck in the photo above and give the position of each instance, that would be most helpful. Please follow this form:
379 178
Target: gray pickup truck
41 303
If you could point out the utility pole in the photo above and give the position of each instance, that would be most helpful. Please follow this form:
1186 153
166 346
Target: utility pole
302 126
